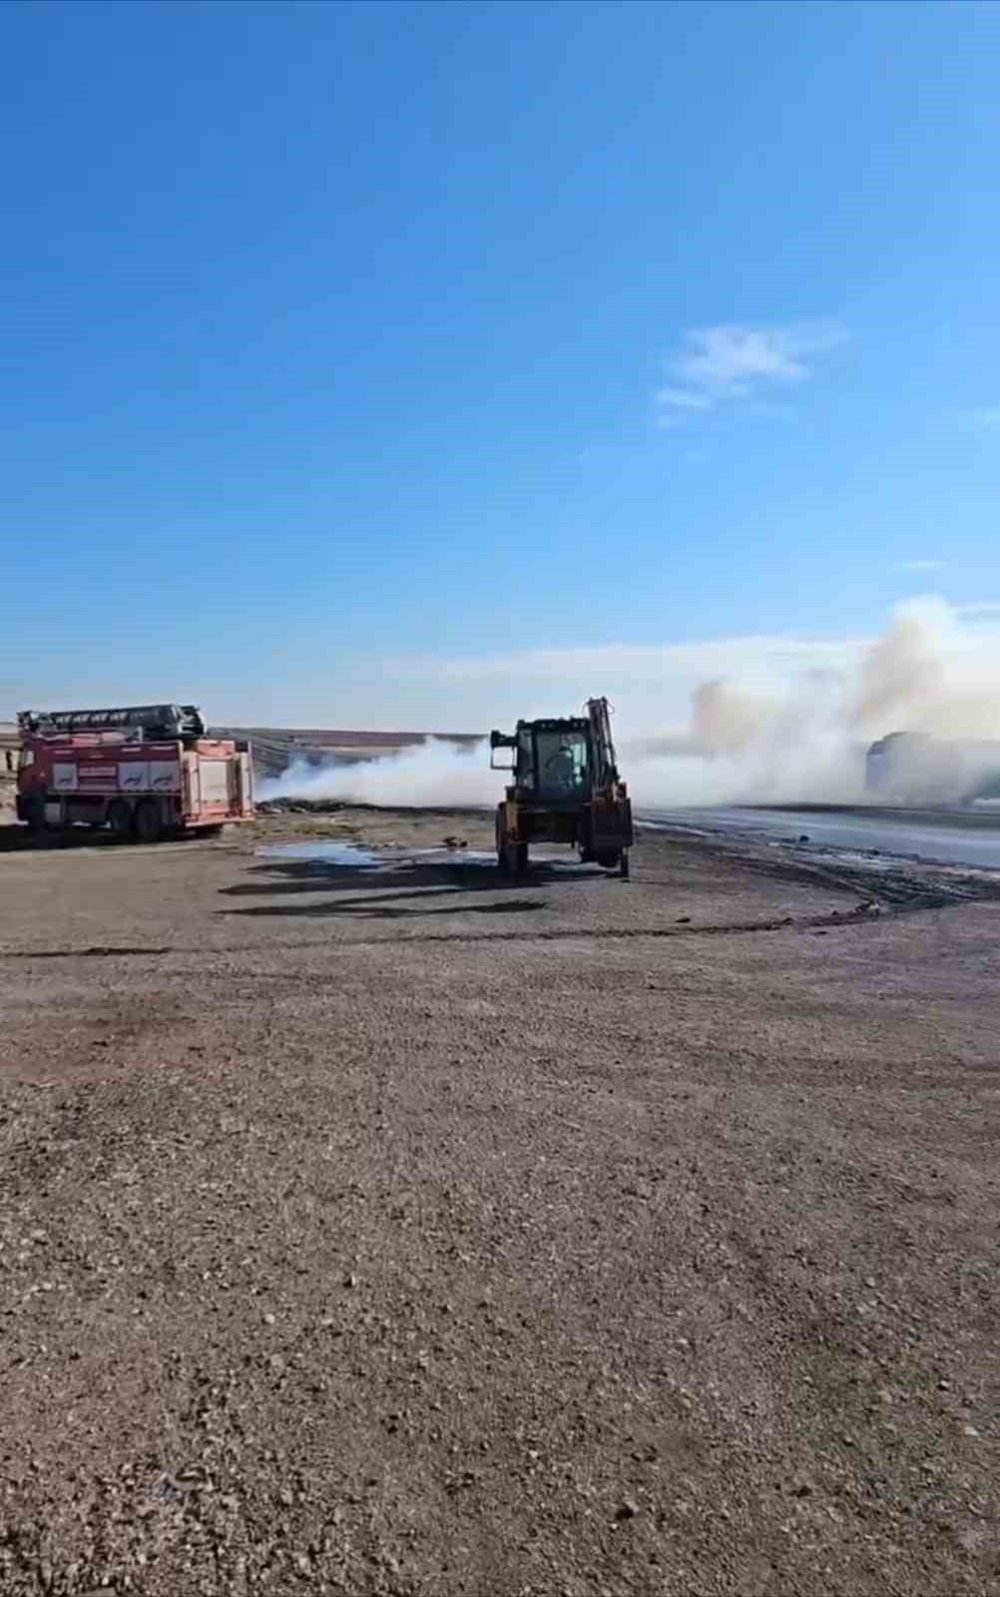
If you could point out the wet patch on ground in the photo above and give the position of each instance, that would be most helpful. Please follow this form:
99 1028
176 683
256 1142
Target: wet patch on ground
358 856
353 856
896 882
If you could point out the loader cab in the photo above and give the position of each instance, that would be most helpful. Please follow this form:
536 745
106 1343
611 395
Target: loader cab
550 760
556 763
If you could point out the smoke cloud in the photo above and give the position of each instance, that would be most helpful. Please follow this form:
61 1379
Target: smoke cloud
430 773
934 671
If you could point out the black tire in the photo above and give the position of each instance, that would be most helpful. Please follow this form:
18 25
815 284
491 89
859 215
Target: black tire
120 819
513 858
626 869
609 859
148 821
34 815
502 862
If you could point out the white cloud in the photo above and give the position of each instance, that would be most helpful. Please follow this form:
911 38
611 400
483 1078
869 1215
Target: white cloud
731 362
684 399
915 567
985 610
652 660
651 685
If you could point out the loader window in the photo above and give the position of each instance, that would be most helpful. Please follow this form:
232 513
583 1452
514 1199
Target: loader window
525 760
562 764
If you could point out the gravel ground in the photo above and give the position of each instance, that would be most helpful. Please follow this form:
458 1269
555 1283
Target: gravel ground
400 1231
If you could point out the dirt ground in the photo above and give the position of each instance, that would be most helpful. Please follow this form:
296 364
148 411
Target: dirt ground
400 1230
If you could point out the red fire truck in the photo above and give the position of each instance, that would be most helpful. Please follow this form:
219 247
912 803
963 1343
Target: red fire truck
142 771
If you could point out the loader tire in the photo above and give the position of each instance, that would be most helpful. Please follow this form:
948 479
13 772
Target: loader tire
513 858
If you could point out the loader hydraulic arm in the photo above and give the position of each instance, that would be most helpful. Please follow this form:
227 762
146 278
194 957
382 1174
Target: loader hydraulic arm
605 759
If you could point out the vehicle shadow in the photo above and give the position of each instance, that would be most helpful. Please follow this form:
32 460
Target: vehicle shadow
376 889
15 838
367 910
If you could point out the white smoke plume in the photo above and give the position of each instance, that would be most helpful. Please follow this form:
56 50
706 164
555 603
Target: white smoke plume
934 671
425 774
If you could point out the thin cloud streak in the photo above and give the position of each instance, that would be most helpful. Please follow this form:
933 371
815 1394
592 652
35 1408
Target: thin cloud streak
988 418
730 362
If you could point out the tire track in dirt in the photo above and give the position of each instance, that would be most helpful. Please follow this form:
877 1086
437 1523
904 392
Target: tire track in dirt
835 918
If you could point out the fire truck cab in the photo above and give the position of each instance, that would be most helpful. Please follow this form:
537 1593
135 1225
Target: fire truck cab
142 770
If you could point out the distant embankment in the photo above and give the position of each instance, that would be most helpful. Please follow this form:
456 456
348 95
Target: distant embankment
276 748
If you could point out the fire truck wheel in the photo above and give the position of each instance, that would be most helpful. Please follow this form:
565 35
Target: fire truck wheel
35 814
120 818
148 821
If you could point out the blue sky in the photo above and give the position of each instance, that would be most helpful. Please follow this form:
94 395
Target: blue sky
345 345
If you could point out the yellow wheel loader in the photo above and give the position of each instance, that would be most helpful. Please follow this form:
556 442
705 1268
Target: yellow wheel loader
565 788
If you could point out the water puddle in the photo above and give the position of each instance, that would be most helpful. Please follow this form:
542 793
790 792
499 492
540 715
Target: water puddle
333 853
453 856
355 856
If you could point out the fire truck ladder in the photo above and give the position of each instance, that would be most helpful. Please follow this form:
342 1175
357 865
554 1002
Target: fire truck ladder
147 720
